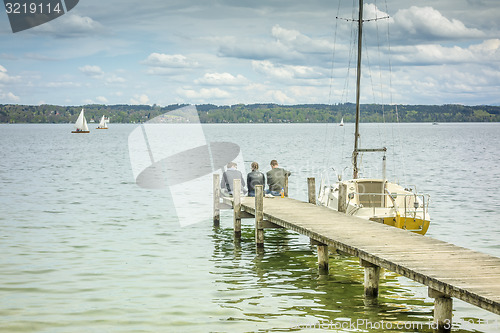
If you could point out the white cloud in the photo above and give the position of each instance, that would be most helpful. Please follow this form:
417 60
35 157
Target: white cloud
432 54
10 97
102 99
297 41
6 78
284 72
286 44
63 84
489 49
203 94
70 26
429 23
279 97
222 79
96 72
169 61
92 71
112 79
140 99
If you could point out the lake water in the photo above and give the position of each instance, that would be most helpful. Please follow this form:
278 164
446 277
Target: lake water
84 249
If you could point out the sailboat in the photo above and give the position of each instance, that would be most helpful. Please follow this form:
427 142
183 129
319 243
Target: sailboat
341 122
81 124
103 124
375 199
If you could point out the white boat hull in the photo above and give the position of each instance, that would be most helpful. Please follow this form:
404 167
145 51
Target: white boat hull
379 201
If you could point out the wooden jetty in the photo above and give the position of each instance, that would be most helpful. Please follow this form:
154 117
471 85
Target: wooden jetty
449 271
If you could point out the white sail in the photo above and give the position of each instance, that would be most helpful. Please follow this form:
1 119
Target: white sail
81 123
341 122
85 128
103 123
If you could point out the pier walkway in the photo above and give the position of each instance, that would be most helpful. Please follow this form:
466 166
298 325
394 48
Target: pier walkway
448 270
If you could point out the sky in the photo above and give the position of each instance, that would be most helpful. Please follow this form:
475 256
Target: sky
226 52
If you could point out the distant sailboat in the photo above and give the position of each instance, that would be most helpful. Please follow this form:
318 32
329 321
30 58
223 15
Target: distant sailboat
342 122
103 124
81 124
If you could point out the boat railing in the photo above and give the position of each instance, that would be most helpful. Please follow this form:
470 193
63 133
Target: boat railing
418 206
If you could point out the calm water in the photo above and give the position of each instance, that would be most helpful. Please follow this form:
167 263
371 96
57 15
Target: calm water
85 249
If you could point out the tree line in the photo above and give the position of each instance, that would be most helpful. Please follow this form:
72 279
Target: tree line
254 113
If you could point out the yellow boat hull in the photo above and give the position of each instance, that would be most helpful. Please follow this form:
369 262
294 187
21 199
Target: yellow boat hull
415 225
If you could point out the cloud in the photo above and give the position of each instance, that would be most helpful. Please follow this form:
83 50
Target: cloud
10 97
284 72
168 64
429 23
70 26
92 71
203 94
112 79
222 79
63 84
278 96
430 54
102 99
96 72
169 61
6 78
256 50
488 50
285 44
139 99
296 41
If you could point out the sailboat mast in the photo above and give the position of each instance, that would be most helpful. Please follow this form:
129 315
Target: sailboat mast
358 86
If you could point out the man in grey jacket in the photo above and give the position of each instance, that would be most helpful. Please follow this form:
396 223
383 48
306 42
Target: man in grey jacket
276 178
226 183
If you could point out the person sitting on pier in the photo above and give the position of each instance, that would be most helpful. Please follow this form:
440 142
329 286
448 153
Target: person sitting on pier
228 176
255 178
276 178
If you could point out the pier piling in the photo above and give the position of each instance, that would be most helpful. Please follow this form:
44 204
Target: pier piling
216 189
311 190
259 216
443 311
237 208
372 277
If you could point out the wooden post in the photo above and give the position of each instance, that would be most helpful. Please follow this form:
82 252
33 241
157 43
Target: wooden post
443 311
342 199
311 190
216 199
372 276
259 216
237 207
323 258
286 186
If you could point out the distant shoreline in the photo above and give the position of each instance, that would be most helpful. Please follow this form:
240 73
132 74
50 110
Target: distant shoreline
254 113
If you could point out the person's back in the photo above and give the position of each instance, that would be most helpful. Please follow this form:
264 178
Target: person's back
228 176
255 178
276 178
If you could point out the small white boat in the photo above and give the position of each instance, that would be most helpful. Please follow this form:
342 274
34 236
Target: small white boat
81 124
103 124
341 122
